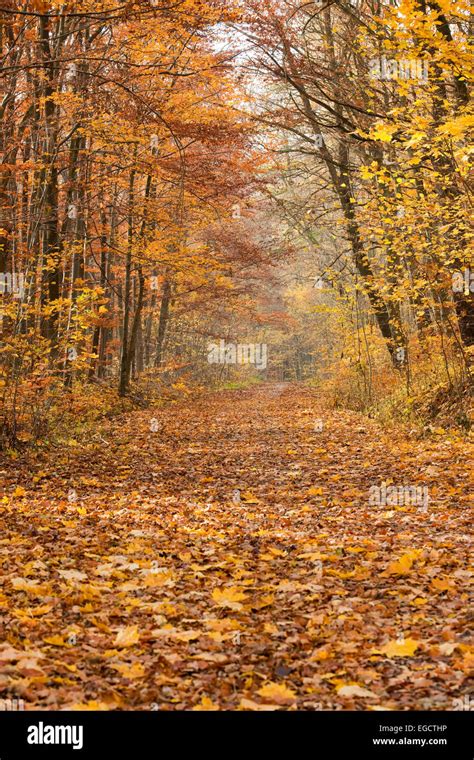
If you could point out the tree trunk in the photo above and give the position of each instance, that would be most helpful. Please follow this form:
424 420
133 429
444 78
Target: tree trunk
163 321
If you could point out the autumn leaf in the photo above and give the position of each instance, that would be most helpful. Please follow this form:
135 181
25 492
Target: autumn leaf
249 704
206 704
320 655
315 491
72 575
56 641
403 565
154 579
127 636
249 498
396 648
10 654
443 584
29 586
93 704
383 132
277 693
354 690
229 597
136 670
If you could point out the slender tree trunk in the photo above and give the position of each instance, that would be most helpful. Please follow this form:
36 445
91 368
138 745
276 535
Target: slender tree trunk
163 321
125 362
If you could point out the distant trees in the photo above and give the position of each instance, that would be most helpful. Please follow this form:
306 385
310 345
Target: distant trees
120 149
371 103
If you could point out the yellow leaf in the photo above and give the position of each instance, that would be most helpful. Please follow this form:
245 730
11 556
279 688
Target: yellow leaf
383 132
249 498
270 628
41 610
127 636
442 585
206 704
228 597
365 173
31 587
419 601
395 648
277 693
264 601
340 574
158 579
403 565
130 671
101 626
92 705
319 655
56 641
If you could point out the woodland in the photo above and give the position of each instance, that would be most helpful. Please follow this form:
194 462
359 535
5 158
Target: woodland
236 354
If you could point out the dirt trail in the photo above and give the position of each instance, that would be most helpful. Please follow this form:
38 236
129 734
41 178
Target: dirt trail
133 578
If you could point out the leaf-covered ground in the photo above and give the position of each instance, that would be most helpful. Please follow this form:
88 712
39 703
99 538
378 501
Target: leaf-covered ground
134 579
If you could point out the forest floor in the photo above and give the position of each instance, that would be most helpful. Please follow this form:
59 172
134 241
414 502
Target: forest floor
133 578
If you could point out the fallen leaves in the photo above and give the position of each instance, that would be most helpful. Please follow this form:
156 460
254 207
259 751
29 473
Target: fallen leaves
250 704
154 579
56 641
277 693
207 705
167 592
10 654
127 636
72 575
403 565
399 648
440 584
354 690
228 597
136 670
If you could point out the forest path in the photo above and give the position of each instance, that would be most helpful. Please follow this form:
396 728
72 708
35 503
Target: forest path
134 579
